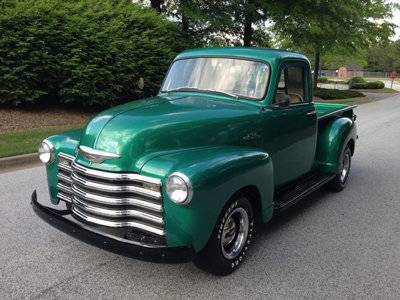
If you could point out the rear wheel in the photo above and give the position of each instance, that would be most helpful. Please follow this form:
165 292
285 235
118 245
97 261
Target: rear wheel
229 242
338 183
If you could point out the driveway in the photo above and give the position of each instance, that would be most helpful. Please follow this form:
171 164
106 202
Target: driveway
343 245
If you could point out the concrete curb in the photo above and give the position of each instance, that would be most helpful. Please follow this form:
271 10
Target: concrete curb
18 161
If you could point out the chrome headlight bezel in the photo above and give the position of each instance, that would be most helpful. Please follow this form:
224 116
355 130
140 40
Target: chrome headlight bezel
46 152
178 178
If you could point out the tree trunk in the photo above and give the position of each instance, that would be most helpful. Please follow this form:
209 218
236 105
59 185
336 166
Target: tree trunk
316 68
183 7
185 23
156 4
247 31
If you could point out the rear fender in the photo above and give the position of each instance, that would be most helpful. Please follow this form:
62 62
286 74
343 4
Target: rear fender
332 139
216 174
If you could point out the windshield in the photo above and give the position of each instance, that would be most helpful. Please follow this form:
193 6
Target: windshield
238 77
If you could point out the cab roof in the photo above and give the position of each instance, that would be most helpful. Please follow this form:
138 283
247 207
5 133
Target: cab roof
265 54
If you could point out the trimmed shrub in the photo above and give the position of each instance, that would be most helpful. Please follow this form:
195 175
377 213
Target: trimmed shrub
331 94
90 52
372 85
323 79
357 79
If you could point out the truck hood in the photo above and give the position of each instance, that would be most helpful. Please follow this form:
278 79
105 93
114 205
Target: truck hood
141 130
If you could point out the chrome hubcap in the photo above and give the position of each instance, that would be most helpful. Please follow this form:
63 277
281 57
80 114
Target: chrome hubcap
234 233
345 166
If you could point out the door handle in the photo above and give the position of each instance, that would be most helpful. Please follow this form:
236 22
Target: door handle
311 113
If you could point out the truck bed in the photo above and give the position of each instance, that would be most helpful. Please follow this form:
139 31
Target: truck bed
325 110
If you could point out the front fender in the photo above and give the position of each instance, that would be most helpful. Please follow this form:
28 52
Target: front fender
331 141
216 174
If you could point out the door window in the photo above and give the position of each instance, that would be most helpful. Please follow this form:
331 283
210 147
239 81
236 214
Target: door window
291 86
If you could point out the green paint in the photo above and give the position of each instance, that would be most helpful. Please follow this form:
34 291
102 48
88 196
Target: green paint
222 144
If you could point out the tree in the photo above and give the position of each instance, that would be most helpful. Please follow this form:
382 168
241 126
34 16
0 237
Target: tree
216 22
384 58
322 26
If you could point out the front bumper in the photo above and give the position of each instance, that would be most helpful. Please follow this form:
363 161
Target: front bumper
61 220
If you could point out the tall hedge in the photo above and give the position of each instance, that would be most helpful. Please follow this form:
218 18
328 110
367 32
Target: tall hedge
90 52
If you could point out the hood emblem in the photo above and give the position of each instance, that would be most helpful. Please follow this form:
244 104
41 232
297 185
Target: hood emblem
96 156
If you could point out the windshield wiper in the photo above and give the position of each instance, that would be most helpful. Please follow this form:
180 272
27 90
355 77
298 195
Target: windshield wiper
193 89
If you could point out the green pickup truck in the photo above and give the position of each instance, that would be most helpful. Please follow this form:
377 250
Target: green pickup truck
232 138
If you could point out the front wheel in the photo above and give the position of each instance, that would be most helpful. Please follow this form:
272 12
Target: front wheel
229 242
338 183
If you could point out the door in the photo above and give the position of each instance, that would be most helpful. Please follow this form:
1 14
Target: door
294 123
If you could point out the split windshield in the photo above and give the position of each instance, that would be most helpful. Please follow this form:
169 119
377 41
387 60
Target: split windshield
230 76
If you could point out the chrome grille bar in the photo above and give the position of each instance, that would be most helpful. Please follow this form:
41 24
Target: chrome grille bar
64 197
111 199
101 199
112 213
99 221
104 187
65 188
115 176
64 177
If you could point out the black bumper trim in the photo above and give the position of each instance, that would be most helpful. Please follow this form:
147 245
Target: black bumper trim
154 253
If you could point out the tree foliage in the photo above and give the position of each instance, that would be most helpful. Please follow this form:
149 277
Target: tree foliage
87 51
322 26
219 23
384 58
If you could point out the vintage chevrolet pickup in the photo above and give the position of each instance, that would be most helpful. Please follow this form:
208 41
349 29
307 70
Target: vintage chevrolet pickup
232 138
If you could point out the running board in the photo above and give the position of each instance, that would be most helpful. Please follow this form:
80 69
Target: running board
292 193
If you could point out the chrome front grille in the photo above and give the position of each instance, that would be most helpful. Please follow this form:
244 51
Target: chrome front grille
111 199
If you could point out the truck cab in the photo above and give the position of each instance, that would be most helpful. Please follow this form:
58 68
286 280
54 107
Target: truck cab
232 138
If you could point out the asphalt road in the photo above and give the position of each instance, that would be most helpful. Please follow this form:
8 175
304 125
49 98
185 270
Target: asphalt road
344 245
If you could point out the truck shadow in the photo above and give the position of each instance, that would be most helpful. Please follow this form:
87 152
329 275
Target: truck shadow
281 218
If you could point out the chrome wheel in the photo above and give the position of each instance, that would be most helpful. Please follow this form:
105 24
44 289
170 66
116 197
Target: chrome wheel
234 233
345 165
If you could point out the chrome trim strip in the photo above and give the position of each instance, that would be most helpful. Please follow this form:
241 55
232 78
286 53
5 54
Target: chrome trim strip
115 176
337 111
64 177
63 187
66 156
96 152
115 224
116 201
114 188
113 213
96 156
64 197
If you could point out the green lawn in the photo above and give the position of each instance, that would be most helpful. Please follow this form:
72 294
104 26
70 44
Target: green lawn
15 143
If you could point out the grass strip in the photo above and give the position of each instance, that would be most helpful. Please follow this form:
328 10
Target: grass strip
27 141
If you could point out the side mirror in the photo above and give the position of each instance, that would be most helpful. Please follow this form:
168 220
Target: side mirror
284 101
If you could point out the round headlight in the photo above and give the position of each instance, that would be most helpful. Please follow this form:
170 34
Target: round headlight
179 188
46 152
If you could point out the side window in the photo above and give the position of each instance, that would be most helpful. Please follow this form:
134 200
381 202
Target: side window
291 86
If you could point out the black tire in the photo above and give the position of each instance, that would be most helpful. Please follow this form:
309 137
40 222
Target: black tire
214 257
338 183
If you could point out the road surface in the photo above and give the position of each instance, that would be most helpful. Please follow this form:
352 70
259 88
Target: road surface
344 245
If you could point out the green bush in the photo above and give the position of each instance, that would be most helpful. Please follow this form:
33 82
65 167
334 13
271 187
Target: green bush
323 79
372 85
357 79
90 52
330 94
